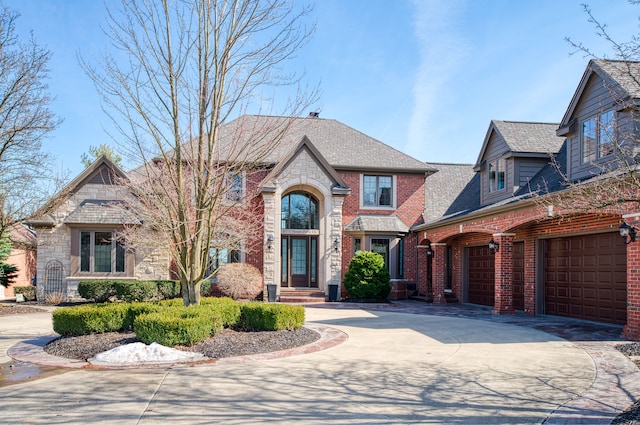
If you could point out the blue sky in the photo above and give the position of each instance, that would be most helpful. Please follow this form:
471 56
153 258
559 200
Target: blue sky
423 76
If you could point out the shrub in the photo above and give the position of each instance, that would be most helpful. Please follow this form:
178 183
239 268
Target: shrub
90 319
176 326
367 276
29 292
228 309
98 290
54 298
240 281
270 317
135 290
205 288
168 289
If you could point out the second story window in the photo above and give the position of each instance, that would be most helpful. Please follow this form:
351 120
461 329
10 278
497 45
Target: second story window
234 188
598 136
497 175
377 191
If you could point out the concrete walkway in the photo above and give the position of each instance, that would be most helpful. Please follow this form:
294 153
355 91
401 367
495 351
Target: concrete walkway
403 363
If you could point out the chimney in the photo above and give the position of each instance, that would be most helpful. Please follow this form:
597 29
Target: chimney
314 114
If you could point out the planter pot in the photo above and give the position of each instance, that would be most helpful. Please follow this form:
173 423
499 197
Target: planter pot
333 293
272 291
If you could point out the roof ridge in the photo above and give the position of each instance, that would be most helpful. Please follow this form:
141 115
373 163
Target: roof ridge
527 122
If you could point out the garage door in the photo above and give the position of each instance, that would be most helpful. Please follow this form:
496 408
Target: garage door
518 275
481 275
585 278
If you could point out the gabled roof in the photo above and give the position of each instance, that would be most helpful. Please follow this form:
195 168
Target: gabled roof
342 146
524 138
94 171
339 185
624 75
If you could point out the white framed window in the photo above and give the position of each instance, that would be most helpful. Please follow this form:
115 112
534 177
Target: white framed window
378 191
497 170
598 136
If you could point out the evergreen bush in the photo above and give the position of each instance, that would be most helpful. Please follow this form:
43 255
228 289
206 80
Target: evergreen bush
270 317
367 277
90 319
99 291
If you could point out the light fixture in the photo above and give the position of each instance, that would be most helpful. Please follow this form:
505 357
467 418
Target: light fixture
628 233
429 250
493 246
336 244
270 242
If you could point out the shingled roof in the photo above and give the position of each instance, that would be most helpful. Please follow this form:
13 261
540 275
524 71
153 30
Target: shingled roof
622 77
524 138
443 190
342 146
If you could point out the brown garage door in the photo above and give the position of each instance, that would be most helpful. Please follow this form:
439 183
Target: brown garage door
481 275
518 275
585 278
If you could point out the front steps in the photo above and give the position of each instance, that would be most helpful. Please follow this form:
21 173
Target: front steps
301 296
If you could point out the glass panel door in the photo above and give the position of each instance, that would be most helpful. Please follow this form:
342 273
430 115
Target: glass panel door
299 263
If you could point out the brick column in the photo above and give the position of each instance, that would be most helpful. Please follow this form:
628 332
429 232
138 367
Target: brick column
504 274
439 271
632 328
423 269
530 275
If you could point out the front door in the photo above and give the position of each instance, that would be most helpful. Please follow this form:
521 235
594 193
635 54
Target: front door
299 261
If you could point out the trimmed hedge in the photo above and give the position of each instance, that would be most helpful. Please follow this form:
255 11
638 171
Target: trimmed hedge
170 323
134 290
98 290
29 292
176 326
270 317
90 319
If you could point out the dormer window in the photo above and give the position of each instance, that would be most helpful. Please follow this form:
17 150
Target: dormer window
598 136
496 175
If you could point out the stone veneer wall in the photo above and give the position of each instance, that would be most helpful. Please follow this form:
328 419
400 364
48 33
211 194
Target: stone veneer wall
55 243
304 173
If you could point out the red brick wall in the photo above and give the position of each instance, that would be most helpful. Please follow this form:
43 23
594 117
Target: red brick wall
410 205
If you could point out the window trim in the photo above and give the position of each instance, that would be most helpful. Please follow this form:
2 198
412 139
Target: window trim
76 254
597 153
498 172
393 196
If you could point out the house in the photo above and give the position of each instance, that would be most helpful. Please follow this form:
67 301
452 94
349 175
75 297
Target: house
326 192
23 256
499 246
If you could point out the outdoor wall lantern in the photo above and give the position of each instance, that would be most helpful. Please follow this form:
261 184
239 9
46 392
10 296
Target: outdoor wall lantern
270 242
429 250
493 246
628 233
336 244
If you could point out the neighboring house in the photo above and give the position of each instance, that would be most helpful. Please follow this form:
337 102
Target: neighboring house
541 262
327 191
23 256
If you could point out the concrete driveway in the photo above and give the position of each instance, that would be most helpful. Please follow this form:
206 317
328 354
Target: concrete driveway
404 363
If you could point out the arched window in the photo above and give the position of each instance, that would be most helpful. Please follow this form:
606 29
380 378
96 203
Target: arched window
299 211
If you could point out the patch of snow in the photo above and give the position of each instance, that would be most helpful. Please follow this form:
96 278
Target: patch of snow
140 353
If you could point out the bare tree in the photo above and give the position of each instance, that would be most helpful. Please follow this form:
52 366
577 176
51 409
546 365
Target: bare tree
615 179
25 120
180 71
